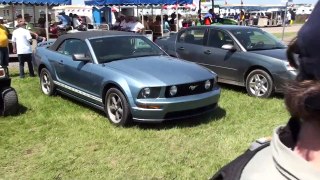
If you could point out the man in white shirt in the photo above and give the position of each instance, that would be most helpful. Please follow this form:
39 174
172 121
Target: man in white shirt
135 25
21 43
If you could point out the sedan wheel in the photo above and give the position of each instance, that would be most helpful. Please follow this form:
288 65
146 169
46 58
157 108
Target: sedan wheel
46 82
259 84
117 108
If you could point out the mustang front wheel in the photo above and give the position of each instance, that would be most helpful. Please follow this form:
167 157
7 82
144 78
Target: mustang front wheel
259 83
117 108
46 82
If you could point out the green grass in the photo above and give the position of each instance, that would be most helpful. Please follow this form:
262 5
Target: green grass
58 138
287 35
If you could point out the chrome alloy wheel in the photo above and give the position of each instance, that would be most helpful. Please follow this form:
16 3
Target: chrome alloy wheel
114 108
46 85
258 85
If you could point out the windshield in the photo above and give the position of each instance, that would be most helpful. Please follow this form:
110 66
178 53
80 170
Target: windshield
256 39
109 49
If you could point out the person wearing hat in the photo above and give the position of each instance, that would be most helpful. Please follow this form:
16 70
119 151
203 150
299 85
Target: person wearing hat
21 43
64 20
294 150
4 54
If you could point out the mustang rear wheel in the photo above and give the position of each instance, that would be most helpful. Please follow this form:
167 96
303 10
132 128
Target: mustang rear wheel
259 83
117 108
8 101
46 82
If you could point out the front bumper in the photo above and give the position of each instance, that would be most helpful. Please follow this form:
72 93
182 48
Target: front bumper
281 79
175 108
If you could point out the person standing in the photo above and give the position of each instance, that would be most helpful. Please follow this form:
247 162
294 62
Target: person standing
288 18
64 20
4 54
21 43
208 18
294 151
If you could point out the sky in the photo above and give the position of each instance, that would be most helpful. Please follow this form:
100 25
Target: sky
244 1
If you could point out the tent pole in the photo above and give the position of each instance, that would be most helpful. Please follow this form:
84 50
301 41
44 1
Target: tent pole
199 11
161 25
47 23
142 18
177 13
34 14
212 1
152 11
137 10
13 13
22 11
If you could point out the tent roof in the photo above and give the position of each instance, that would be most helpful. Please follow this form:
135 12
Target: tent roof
37 2
136 2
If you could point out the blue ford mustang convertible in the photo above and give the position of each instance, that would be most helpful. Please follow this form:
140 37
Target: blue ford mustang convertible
126 75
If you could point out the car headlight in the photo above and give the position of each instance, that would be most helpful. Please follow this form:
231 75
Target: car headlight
149 92
145 93
207 84
173 90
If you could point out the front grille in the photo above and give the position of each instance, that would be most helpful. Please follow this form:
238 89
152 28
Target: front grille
190 113
189 89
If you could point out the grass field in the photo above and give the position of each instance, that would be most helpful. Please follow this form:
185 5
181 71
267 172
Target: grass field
58 138
287 35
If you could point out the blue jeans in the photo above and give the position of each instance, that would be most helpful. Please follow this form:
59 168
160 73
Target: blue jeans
22 59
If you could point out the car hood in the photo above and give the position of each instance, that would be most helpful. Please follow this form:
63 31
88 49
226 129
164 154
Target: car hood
161 70
275 53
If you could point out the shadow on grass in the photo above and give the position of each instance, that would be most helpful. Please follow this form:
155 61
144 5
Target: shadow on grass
244 91
21 109
214 115
233 88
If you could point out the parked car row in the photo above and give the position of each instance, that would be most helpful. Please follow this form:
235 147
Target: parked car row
131 78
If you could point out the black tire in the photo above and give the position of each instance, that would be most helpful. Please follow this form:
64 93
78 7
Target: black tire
8 102
259 84
117 108
46 83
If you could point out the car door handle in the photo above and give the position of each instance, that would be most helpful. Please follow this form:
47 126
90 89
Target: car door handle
181 48
60 62
207 52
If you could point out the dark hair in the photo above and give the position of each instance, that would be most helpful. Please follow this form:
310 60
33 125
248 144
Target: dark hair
302 96
303 99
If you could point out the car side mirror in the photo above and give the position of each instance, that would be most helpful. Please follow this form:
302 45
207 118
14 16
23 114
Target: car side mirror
229 47
80 57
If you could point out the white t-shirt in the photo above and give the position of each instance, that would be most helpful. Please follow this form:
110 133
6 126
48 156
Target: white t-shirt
76 22
288 16
22 38
136 26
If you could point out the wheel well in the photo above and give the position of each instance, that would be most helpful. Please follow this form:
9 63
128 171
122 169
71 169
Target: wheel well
107 87
255 68
40 68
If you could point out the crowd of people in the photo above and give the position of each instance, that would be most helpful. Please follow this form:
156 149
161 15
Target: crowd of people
21 44
73 21
135 24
